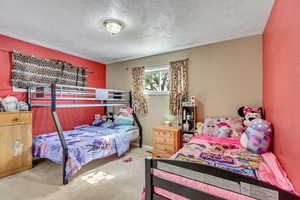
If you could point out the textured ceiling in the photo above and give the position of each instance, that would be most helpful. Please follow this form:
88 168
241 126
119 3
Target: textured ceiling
151 26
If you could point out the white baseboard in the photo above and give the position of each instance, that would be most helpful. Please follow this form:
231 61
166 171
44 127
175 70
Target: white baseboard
147 147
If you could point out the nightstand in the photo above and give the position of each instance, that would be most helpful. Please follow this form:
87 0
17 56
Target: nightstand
166 141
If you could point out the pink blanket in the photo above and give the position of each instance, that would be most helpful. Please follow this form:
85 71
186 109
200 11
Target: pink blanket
228 154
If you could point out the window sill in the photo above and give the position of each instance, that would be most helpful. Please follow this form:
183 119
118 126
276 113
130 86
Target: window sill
15 89
157 93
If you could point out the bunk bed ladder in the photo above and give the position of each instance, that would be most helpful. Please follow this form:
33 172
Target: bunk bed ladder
59 131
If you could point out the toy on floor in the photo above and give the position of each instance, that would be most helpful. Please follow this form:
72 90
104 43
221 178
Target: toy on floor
257 137
249 114
127 159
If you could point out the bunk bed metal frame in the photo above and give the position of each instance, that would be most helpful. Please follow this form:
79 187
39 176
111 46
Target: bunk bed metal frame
213 176
79 94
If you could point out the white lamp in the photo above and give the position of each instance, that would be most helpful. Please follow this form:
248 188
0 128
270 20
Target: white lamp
113 26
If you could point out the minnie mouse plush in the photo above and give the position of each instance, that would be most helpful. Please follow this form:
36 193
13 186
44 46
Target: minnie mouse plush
249 114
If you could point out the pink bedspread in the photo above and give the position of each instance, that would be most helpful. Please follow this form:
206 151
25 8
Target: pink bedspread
228 154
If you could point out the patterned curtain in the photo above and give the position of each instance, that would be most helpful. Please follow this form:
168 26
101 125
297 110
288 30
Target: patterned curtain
179 85
139 103
29 71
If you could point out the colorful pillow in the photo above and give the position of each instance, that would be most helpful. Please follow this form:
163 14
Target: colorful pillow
222 127
257 138
124 117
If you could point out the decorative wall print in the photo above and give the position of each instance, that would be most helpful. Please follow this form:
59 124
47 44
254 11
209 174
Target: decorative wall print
30 71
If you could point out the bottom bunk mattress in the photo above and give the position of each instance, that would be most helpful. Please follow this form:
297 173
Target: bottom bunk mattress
225 153
131 130
83 146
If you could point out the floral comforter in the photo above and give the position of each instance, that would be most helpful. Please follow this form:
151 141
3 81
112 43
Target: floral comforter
84 146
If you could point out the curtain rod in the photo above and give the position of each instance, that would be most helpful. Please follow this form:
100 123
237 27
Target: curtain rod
159 65
10 51
7 50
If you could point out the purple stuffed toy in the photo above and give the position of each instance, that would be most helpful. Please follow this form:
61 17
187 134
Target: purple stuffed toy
257 137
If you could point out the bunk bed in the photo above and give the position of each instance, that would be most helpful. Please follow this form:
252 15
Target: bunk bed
63 96
189 175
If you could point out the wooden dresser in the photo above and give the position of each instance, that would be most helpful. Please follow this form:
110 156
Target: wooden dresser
15 142
166 141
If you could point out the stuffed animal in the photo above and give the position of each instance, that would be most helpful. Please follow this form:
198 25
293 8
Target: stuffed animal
98 120
23 106
110 117
1 106
10 104
257 137
249 114
199 128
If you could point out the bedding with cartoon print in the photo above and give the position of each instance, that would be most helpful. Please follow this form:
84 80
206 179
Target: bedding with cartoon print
218 153
224 153
83 146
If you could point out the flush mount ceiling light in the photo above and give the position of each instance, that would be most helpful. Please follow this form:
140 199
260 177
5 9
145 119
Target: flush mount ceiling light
113 26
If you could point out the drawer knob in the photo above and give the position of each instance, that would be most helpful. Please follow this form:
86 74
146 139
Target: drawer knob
15 119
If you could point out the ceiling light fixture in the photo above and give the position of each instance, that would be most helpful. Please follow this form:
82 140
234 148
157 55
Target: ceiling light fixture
113 26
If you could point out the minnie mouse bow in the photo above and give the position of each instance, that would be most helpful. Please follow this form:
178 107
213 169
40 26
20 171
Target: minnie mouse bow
253 110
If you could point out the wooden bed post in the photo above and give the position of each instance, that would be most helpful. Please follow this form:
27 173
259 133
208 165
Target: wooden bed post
60 132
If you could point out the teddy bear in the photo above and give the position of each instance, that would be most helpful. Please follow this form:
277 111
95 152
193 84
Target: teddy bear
257 137
249 114
98 120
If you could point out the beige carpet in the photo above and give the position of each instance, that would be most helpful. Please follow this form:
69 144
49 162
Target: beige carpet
106 179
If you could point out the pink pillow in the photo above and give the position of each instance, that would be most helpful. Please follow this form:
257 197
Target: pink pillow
222 127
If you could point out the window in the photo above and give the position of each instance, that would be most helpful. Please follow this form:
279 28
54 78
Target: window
157 80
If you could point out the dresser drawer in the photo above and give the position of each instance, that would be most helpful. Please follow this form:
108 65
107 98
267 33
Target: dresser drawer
15 118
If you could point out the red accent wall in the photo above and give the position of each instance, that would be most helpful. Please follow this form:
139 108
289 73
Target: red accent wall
42 121
281 42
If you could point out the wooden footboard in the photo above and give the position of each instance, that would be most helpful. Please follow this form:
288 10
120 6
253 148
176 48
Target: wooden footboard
209 175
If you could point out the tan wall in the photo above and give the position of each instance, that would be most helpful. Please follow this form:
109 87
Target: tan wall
223 77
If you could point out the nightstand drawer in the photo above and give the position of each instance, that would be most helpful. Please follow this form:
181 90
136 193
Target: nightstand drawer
164 140
165 148
165 134
161 154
